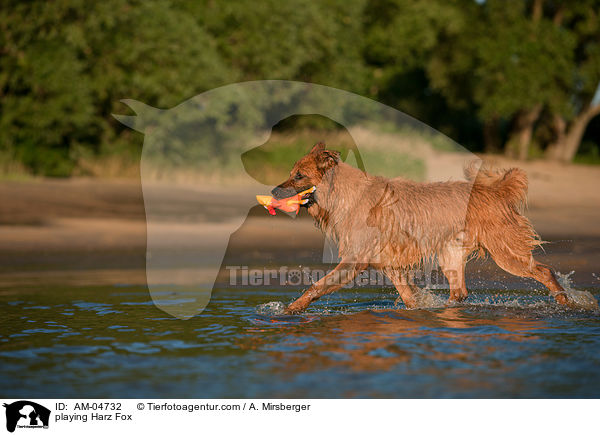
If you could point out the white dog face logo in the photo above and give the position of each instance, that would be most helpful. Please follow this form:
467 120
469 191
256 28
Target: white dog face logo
28 416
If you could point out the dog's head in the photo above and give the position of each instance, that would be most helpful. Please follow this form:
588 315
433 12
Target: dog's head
308 172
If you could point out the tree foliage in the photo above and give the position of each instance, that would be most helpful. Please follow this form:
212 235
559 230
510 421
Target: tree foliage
515 70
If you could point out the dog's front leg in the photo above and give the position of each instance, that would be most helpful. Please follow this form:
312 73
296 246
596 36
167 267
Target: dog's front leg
334 280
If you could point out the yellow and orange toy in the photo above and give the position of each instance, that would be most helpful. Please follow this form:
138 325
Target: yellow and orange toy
290 204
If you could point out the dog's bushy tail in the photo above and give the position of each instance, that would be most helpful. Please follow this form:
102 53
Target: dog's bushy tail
498 198
511 184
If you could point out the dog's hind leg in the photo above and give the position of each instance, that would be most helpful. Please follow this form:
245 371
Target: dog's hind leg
512 251
452 261
404 287
529 268
334 280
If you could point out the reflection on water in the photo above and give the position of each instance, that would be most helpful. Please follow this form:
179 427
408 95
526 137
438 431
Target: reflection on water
113 342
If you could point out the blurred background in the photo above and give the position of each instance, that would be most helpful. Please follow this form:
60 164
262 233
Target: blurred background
507 79
504 76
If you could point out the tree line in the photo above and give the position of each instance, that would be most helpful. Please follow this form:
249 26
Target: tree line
511 76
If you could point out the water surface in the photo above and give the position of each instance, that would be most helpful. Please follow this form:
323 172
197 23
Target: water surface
113 342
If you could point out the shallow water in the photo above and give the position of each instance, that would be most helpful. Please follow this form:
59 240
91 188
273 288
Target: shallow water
113 342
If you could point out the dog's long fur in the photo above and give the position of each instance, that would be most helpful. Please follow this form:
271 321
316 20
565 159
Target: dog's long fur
396 224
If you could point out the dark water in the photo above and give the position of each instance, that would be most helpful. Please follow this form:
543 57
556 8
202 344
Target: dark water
113 342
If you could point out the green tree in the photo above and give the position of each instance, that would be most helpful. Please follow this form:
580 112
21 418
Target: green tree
293 40
67 63
46 98
509 60
400 35
505 65
581 94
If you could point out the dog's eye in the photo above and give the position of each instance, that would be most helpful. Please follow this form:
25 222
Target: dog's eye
299 176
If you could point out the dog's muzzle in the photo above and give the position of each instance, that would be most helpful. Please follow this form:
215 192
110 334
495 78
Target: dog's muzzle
285 192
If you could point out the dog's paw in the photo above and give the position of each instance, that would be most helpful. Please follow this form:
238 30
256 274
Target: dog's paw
296 307
578 299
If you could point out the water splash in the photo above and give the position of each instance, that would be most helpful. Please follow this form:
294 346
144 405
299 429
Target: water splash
579 298
276 308
427 299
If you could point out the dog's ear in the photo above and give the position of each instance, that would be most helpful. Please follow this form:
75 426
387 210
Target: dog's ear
326 159
318 148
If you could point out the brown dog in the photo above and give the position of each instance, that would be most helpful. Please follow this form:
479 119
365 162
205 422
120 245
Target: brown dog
395 224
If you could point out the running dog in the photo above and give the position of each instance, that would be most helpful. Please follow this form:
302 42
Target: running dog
394 225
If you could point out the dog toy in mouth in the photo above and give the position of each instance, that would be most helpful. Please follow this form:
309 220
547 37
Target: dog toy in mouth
290 204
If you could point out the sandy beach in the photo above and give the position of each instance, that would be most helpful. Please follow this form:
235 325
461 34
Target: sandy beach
93 232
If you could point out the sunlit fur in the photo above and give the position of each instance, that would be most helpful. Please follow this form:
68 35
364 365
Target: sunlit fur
396 224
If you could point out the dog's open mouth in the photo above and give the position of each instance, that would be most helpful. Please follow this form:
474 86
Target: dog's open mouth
308 198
